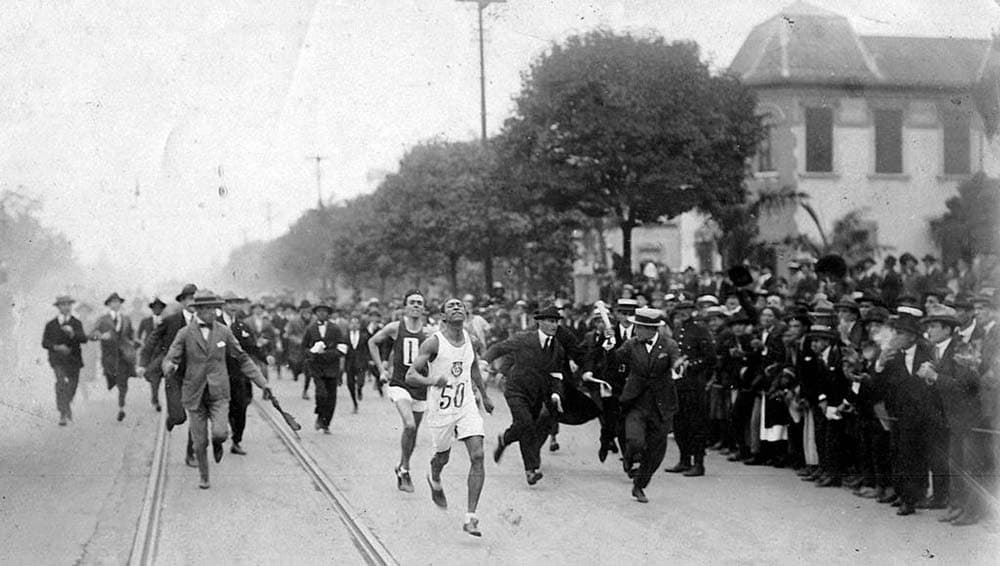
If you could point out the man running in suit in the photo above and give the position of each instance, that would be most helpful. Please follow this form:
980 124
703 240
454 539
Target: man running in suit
204 345
533 381
114 331
357 359
648 400
325 348
146 327
62 337
240 392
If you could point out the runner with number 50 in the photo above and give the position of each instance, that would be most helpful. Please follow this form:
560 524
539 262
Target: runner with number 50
406 334
447 365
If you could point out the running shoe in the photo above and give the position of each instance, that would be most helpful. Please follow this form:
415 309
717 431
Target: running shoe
471 526
437 494
403 481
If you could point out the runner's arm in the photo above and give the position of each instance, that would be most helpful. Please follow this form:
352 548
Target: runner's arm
381 336
477 380
417 372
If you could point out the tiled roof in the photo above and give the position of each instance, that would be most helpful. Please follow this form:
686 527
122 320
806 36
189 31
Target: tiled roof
804 44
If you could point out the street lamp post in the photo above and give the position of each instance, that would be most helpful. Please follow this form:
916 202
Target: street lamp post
481 5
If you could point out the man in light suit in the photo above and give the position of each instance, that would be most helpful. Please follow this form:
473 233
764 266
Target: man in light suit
62 338
648 400
533 381
204 345
114 330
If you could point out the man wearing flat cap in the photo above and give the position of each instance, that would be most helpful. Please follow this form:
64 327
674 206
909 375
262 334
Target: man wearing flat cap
204 346
648 400
62 337
534 380
118 348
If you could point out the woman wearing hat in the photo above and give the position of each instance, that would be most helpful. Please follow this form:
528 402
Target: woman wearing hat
118 348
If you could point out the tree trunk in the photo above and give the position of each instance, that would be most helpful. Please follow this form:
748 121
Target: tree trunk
627 225
488 271
453 273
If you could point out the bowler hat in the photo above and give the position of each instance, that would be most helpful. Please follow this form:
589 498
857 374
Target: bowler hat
64 300
305 305
942 314
113 297
322 306
157 304
647 317
206 298
187 291
548 313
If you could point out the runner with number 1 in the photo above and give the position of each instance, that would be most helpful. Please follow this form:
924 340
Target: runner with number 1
411 400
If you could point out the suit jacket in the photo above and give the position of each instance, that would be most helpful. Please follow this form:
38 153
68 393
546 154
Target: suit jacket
531 368
206 370
267 336
155 348
246 339
958 388
54 335
908 397
650 385
146 327
328 363
357 356
118 352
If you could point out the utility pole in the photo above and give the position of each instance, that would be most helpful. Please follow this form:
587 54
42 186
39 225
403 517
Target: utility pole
481 5
269 217
319 179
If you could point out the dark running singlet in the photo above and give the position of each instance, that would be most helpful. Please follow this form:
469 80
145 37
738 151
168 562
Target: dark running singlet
404 351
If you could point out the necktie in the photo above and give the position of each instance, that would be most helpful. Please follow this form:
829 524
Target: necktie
548 344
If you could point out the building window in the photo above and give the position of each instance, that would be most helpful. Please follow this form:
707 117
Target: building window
819 140
765 162
956 142
889 141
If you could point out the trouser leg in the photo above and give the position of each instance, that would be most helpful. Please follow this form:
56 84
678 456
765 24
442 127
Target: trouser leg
352 386
937 460
655 449
239 400
524 429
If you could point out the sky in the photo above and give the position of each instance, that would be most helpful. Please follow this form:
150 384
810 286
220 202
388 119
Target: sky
160 135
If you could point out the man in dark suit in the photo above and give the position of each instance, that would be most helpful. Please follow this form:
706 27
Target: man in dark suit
913 405
204 346
534 380
151 361
357 359
114 331
146 327
825 373
62 337
648 400
240 392
325 348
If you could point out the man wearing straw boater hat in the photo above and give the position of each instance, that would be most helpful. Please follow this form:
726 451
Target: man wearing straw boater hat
62 337
114 330
204 346
648 400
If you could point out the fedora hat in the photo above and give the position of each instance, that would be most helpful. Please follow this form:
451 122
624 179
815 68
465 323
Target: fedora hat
305 305
548 313
231 297
876 314
942 314
113 297
906 323
647 317
64 300
157 304
187 291
206 298
322 306
823 331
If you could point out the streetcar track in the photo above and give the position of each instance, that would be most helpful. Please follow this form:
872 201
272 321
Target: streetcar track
368 545
147 534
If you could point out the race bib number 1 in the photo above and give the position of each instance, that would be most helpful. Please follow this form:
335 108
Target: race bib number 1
410 347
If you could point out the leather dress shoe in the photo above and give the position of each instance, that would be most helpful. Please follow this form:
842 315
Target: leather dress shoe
829 482
498 451
533 476
191 461
553 446
755 461
867 492
905 509
734 458
679 468
695 471
237 449
888 497
639 495
203 484
602 453
854 483
121 415
897 503
62 420
217 451
613 447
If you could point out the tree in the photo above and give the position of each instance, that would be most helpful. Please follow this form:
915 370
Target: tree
633 128
969 227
